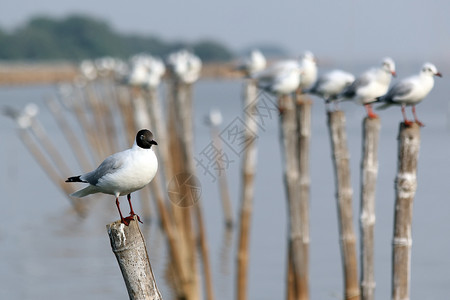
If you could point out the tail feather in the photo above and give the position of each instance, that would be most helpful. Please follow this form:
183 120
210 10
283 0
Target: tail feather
75 179
385 102
90 189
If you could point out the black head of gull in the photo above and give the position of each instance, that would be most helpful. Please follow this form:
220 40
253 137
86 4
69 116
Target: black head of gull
144 139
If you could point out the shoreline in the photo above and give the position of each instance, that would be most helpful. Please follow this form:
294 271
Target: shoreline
12 73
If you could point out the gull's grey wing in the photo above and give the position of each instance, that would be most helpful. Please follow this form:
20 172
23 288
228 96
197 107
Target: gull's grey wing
360 82
398 91
109 165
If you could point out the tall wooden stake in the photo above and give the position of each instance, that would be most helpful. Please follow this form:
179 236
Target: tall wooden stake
304 135
344 194
289 143
247 192
128 245
369 171
405 186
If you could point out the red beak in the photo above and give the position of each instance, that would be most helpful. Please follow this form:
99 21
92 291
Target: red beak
438 74
393 73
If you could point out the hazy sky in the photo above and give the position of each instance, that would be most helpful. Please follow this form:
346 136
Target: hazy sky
336 29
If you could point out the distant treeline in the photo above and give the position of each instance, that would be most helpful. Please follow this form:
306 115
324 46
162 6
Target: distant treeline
78 37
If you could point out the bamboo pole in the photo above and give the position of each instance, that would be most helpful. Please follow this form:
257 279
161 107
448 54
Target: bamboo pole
369 171
97 115
69 134
128 245
222 179
405 186
304 136
77 204
86 125
344 194
247 193
41 135
289 144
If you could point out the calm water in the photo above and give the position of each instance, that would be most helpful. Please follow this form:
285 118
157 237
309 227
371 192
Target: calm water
49 253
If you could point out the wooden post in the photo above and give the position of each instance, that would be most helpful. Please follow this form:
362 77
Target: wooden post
223 182
184 130
344 194
405 186
289 144
247 192
304 136
369 171
128 245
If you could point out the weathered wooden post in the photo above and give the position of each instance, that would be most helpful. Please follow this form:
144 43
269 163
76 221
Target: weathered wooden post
215 119
289 150
344 194
303 114
247 192
369 171
405 186
181 122
128 245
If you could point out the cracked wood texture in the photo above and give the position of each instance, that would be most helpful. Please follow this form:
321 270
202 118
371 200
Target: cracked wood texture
128 245
344 194
405 187
369 172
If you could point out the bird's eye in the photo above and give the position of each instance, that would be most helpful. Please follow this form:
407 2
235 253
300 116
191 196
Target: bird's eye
141 137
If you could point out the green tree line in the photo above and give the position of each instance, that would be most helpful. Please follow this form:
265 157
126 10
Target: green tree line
78 37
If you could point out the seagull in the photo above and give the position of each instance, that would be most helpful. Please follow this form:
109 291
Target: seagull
370 85
331 84
411 91
122 173
254 63
185 65
281 78
308 65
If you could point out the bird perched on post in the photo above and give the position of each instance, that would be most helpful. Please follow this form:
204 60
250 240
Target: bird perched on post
331 84
411 91
122 173
308 65
370 85
282 78
255 62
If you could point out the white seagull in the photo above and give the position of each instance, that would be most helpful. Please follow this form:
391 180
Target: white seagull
331 84
281 78
410 91
308 65
255 62
370 85
185 65
122 173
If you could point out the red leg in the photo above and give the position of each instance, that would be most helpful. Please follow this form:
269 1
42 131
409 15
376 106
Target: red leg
122 219
132 214
406 121
370 112
415 116
131 206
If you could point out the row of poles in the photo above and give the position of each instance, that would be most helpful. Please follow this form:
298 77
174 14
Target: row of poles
97 104
295 133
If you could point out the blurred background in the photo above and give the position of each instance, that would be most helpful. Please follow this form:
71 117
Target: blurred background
47 251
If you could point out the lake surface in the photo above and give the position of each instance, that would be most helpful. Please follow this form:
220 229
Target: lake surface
47 252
